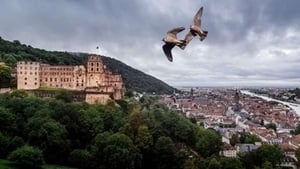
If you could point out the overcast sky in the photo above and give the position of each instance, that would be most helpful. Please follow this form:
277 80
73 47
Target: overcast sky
249 43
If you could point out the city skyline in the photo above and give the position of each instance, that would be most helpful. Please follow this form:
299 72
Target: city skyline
249 43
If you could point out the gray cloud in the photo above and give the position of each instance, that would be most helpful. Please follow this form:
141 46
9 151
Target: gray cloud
249 42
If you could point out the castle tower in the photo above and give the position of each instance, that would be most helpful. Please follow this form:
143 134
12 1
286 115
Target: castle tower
28 75
95 71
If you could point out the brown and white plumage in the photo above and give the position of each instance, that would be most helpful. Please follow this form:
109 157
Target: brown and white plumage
195 29
171 41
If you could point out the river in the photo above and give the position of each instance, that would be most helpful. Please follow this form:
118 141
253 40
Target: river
294 106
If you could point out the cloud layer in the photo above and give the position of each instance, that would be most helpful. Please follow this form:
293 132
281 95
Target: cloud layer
249 42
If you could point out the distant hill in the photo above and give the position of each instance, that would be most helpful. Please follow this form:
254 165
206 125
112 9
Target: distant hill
11 52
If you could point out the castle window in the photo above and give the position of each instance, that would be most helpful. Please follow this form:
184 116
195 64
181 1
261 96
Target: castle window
46 79
35 83
55 79
92 69
30 73
21 67
35 78
25 83
20 72
25 78
50 79
77 84
97 64
50 84
35 73
97 69
92 64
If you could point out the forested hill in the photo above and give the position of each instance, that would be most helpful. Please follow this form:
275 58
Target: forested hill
11 52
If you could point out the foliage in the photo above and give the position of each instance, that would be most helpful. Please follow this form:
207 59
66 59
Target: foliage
63 94
297 130
247 138
271 126
27 157
5 75
270 153
81 159
120 153
209 142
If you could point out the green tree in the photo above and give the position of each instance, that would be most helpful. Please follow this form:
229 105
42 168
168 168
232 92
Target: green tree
271 126
5 75
192 163
297 154
231 163
214 164
208 143
144 140
27 157
234 139
81 159
271 153
10 60
50 136
165 153
120 153
7 121
4 144
297 130
63 94
267 165
252 138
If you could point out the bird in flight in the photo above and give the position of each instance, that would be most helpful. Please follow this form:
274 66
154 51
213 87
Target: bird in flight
171 41
195 29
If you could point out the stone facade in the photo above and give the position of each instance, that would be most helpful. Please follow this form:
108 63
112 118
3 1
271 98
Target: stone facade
95 79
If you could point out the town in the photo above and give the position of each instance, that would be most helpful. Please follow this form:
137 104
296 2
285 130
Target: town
244 121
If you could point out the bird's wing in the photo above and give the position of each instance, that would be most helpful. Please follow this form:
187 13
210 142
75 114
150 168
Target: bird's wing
197 17
167 50
174 31
188 37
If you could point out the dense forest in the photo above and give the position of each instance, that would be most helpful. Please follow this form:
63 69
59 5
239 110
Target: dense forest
11 52
124 134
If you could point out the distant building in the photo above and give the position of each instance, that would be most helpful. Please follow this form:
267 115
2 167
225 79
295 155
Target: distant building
98 83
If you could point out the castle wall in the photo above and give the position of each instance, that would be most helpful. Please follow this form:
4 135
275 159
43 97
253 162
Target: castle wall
79 77
57 76
28 75
97 98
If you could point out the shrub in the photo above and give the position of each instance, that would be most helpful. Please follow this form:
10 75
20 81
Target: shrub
27 157
81 158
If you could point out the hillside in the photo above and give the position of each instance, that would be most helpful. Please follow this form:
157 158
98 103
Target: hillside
11 52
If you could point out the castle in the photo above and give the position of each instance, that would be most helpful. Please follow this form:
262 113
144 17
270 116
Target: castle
96 83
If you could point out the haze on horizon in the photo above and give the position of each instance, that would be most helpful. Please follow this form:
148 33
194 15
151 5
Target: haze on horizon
249 43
